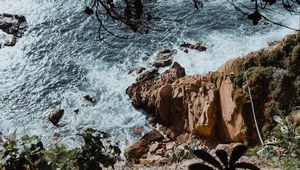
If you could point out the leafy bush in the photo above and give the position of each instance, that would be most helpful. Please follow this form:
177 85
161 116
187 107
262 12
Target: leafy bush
30 153
285 144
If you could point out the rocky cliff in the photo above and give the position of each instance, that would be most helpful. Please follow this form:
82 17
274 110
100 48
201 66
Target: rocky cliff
217 105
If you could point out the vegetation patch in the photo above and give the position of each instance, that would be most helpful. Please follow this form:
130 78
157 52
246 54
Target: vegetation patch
30 153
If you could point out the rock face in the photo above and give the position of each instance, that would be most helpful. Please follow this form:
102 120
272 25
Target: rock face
14 25
188 104
217 104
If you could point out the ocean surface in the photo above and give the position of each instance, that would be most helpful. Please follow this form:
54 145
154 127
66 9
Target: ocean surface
60 59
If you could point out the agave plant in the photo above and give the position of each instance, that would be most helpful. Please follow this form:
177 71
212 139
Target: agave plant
210 163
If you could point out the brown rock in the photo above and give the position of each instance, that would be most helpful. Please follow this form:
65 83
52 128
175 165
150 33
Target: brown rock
153 136
143 92
233 127
183 138
55 116
137 150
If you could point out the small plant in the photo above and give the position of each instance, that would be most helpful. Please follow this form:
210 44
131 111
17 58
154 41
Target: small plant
210 163
184 152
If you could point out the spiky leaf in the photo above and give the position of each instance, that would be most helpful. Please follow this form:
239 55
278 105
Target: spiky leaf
237 153
205 156
222 155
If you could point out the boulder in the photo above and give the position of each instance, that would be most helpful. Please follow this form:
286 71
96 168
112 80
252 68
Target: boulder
153 136
55 116
137 150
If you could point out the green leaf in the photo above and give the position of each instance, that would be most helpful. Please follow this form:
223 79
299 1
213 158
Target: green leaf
237 153
246 165
199 166
205 156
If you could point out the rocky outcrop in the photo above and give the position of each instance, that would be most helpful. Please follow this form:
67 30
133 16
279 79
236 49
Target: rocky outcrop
14 25
189 104
218 104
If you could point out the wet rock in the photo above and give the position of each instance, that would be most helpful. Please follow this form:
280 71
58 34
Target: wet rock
89 98
137 70
162 63
153 136
198 46
76 111
14 25
55 116
166 54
